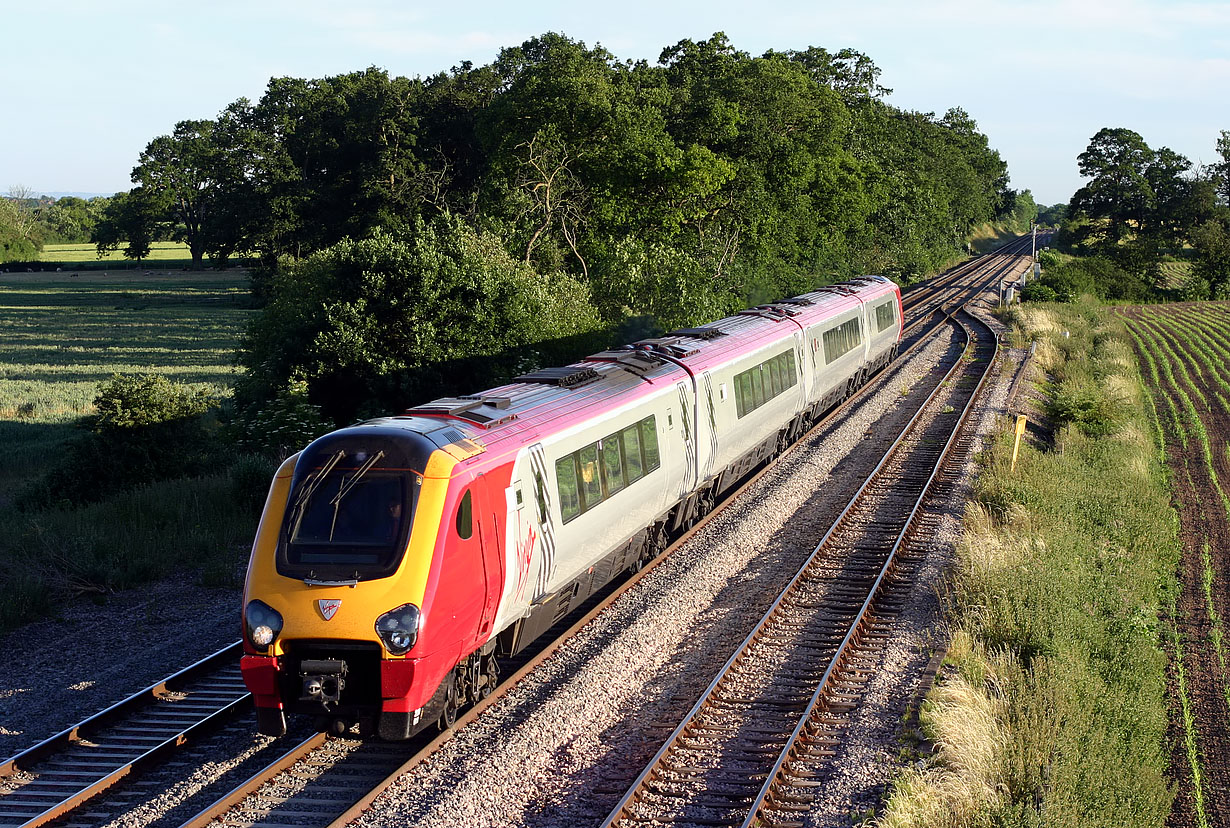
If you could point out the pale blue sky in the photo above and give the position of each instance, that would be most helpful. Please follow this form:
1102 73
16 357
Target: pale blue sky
88 84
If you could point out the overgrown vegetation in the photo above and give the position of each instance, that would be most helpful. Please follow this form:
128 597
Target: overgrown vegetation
1052 710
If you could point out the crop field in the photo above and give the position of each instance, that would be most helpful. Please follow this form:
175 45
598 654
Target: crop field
1184 351
89 253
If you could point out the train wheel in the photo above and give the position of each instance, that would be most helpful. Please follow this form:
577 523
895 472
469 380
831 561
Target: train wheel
491 676
452 703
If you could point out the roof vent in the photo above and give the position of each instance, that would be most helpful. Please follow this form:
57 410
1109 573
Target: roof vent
570 376
698 333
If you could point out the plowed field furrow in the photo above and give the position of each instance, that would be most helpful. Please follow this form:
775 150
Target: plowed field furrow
1185 353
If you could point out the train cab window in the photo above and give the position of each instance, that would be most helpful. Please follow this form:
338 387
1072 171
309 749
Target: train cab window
649 441
569 492
612 465
349 519
465 516
591 483
631 437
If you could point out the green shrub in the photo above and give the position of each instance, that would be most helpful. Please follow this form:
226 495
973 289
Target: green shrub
1039 292
1086 404
281 426
137 400
250 477
148 428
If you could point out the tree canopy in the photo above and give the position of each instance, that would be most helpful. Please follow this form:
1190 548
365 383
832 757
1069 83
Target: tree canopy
1141 204
677 190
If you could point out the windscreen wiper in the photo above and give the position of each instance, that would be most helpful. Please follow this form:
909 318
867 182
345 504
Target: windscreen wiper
347 485
309 488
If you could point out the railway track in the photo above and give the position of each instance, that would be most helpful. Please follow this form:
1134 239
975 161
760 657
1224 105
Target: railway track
746 752
60 774
312 773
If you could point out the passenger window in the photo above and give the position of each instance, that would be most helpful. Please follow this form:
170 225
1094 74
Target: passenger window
465 517
612 464
569 495
591 483
632 452
649 440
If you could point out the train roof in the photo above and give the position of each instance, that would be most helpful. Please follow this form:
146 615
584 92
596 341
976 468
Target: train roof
547 400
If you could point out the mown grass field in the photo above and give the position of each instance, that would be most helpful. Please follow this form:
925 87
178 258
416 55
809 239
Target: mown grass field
59 338
89 253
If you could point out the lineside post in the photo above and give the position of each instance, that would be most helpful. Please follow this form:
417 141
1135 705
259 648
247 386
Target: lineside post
1016 444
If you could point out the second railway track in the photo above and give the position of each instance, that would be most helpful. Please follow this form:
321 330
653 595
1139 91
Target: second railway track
746 752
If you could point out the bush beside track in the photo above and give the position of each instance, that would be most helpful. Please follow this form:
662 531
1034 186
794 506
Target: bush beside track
1051 708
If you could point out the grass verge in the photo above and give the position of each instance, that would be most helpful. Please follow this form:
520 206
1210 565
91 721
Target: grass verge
1056 680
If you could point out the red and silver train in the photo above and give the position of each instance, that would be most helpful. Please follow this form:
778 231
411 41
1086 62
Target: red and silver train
396 560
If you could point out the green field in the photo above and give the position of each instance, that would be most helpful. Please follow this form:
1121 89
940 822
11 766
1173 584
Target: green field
159 251
60 337
1176 274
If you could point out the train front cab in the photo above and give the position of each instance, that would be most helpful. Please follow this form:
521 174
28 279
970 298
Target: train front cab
360 596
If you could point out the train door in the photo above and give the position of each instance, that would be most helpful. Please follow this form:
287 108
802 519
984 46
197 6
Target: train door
687 402
489 535
541 518
710 417
521 541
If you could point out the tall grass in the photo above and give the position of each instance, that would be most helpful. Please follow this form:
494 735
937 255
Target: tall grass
1065 571
198 528
59 339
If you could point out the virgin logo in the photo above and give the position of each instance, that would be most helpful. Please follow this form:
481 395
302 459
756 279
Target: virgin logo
329 606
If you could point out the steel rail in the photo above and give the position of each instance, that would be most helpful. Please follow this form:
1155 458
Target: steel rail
107 753
622 810
788 753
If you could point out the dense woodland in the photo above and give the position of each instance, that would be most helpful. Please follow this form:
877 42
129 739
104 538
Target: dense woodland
408 222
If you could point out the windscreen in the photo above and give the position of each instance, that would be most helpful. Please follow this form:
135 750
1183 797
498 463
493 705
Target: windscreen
350 521
349 516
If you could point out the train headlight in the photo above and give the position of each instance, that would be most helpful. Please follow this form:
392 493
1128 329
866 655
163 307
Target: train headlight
399 628
261 624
